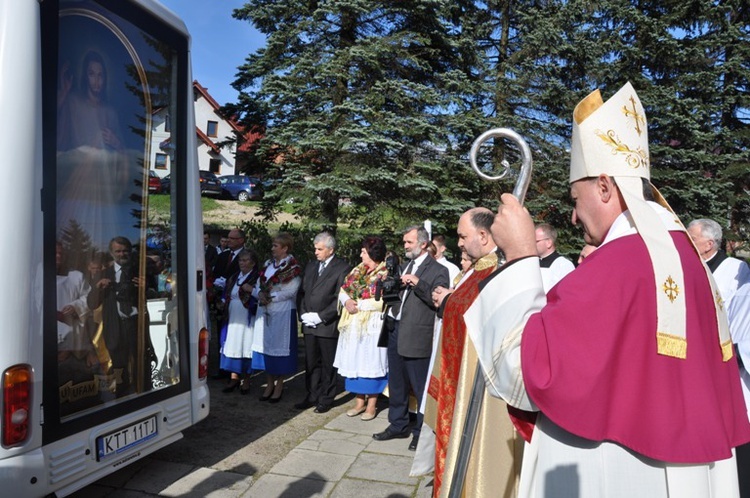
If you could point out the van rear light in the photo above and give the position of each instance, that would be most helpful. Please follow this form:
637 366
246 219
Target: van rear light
203 354
17 382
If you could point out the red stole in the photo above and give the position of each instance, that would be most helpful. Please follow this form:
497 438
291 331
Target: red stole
452 340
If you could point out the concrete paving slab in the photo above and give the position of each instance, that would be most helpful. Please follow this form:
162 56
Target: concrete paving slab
122 476
329 435
157 475
277 486
385 468
209 483
391 447
337 446
346 447
127 493
363 439
358 426
306 463
347 488
426 487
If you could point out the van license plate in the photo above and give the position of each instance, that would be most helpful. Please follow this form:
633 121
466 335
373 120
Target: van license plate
120 440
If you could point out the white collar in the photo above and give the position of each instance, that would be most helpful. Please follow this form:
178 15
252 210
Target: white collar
623 224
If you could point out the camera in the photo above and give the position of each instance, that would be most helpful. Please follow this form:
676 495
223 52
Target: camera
389 288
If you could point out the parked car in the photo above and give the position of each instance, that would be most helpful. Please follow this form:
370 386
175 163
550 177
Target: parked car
241 187
165 185
154 182
209 183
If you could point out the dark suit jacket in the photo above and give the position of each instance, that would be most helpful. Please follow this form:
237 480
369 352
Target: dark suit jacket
319 294
222 267
119 333
211 255
417 311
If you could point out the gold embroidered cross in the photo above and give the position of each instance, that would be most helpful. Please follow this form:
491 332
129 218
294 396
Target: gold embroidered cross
671 289
639 118
719 301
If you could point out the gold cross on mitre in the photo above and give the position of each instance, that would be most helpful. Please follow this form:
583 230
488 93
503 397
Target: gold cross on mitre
639 118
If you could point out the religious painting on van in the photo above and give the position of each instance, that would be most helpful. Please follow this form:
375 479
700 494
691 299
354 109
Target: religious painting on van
111 78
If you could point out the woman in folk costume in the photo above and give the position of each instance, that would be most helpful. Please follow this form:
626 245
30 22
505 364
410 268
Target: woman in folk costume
358 358
627 362
275 340
236 351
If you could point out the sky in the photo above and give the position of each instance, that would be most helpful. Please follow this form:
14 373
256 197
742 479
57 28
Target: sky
220 43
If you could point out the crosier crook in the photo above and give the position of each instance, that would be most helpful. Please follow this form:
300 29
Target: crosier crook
477 391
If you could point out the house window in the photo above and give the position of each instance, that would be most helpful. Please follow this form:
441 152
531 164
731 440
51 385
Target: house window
161 161
214 166
167 124
212 128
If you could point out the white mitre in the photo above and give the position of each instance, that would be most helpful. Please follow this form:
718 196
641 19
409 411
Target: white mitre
611 138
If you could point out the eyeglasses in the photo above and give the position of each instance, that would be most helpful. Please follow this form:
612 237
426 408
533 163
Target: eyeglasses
235 238
539 240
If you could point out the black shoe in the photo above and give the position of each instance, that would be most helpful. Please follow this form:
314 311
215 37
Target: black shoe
264 398
322 408
413 444
231 387
389 434
304 405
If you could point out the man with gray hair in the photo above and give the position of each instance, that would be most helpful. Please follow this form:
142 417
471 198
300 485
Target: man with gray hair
733 281
730 273
410 325
319 314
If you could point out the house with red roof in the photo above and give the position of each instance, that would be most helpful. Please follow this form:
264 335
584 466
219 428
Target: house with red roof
218 138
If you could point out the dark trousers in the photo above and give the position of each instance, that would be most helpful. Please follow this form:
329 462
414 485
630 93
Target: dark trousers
405 374
320 375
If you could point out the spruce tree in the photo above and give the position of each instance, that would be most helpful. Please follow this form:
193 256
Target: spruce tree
348 91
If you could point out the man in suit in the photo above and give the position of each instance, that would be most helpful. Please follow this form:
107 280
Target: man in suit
410 335
226 263
210 252
319 313
117 293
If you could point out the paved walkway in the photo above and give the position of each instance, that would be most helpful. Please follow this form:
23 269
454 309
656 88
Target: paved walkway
340 460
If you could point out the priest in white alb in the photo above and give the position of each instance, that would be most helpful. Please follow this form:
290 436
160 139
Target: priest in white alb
627 363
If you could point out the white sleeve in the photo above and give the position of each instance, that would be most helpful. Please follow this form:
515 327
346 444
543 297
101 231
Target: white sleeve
287 290
560 267
495 324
